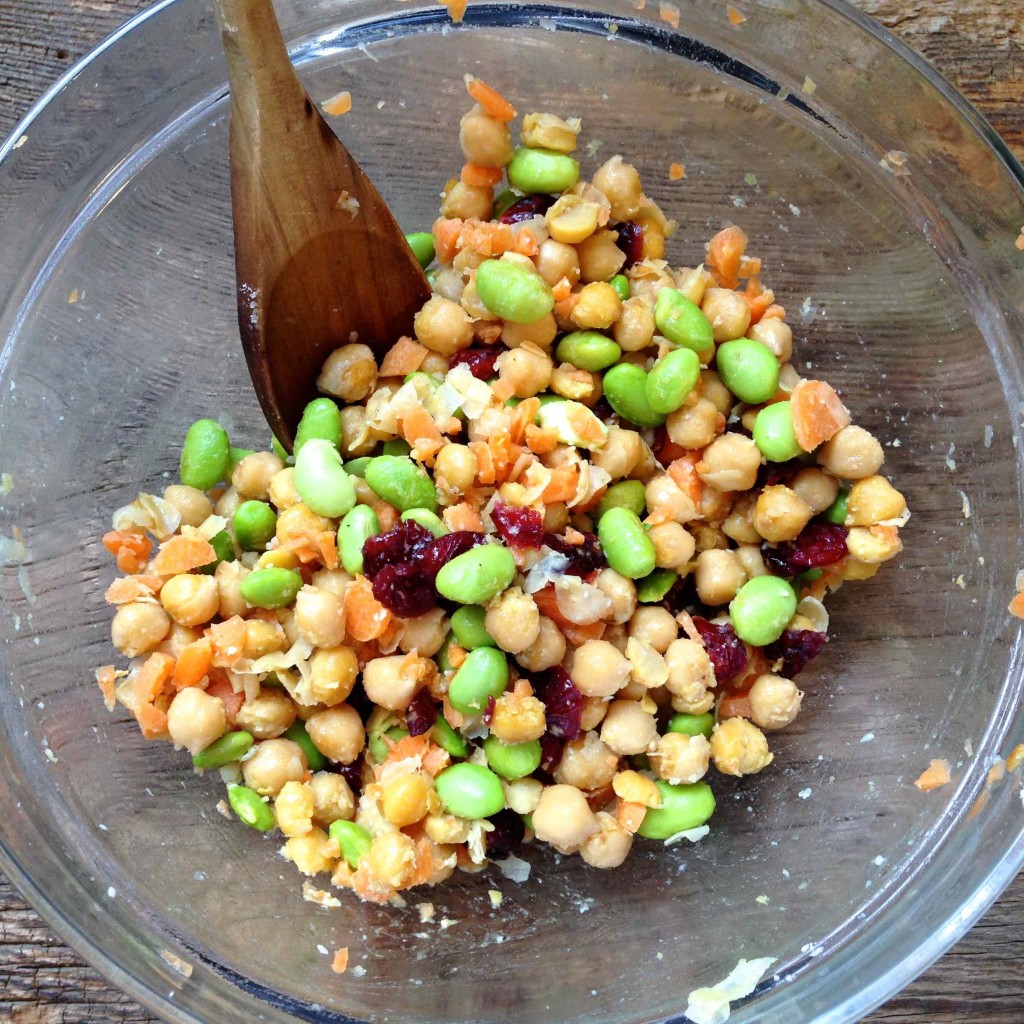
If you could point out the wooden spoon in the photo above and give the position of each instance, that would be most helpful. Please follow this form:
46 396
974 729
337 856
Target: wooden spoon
313 271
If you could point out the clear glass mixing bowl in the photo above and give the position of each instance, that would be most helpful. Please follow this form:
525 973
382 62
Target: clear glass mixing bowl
117 320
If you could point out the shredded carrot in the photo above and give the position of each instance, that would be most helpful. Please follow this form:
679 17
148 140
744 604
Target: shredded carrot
131 588
153 677
725 251
446 238
387 515
130 549
339 964
456 9
758 298
183 554
221 688
934 776
541 441
405 356
526 244
105 677
463 516
152 721
676 172
490 99
486 238
488 331
562 289
227 641
327 543
669 13
503 389
629 815
193 663
818 413
365 617
1016 606
683 472
562 485
735 17
485 473
420 430
523 415
480 176
340 103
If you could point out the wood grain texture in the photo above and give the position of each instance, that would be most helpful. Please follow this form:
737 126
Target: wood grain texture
979 46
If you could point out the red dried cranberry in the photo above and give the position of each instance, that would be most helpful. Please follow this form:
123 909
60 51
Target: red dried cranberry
797 648
563 703
405 589
584 559
489 710
551 748
682 595
602 410
724 647
819 544
481 361
507 835
526 208
442 550
421 714
631 242
772 473
353 774
519 527
403 543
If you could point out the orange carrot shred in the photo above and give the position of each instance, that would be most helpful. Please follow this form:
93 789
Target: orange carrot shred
446 238
629 815
227 641
934 776
339 104
105 678
541 441
221 688
1016 606
152 677
818 413
131 550
365 617
193 663
676 172
183 554
340 962
480 176
129 588
490 99
456 9
405 356
725 251
735 17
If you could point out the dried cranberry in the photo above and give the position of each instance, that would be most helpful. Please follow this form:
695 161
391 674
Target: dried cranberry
631 242
724 647
563 703
519 527
506 836
481 361
353 774
772 473
442 550
682 595
403 543
584 559
551 748
421 714
406 589
526 208
602 410
819 544
489 710
797 648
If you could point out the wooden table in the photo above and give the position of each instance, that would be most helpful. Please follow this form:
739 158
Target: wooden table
979 46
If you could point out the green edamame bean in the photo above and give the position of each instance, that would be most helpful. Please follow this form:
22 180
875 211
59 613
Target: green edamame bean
272 587
512 760
470 628
761 609
279 449
652 589
230 747
624 494
541 170
626 544
682 807
811 575
250 808
448 739
321 480
692 725
573 423
422 245
504 199
224 547
470 791
297 734
774 434
588 350
379 748
427 519
513 292
205 455
838 510
254 523
625 387
401 482
748 369
358 526
235 456
443 661
671 380
621 285
475 576
483 674
322 419
396 446
682 322
353 840
357 467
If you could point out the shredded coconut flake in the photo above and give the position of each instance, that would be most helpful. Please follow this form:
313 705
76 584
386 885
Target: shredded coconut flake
318 896
711 1005
514 869
810 87
148 512
694 835
547 570
426 912
494 895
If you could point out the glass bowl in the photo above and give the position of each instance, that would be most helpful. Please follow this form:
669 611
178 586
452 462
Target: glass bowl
904 287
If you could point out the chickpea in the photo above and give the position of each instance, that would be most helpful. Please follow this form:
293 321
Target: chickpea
527 368
513 620
873 544
692 284
447 828
664 495
195 719
254 473
620 182
228 577
227 504
468 202
443 326
293 809
600 256
716 392
597 306
283 492
628 729
333 799
619 455
193 506
190 599
587 763
653 234
546 131
332 674
634 330
681 759
391 682
485 140
546 651
517 718
455 468
780 513
609 846
853 454
854 570
598 669
728 312
774 701
718 576
312 854
541 332
392 859
337 733
177 639
739 523
674 545
563 818
749 557
689 669
320 617
730 463
334 581
138 627
472 303
653 625
873 500
267 716
425 633
621 591
556 517
775 334
695 424
404 798
648 669
356 437
817 488
578 385
739 748
556 260
349 373
273 763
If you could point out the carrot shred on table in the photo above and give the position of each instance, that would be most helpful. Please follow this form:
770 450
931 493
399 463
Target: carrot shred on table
338 104
735 16
106 676
676 172
725 251
1016 606
490 99
456 9
1015 758
227 641
405 356
182 554
934 776
339 964
818 413
193 663
365 617
669 13
480 176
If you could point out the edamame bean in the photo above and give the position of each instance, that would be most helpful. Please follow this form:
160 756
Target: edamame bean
470 791
272 587
297 734
205 455
397 446
624 494
541 170
475 576
504 199
469 627
838 510
483 674
321 480
444 663
671 380
588 350
748 369
692 725
427 519
230 747
250 808
322 419
378 745
626 545
357 467
621 285
278 449
761 609
254 523
774 434
422 245
652 589
682 807
512 760
353 840
448 739
358 526
401 482
682 322
224 547
625 387
513 292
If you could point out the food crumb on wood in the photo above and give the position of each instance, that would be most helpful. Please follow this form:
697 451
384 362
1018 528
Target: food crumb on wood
676 171
21 142
348 203
456 9
1016 758
711 1005
934 776
495 897
183 967
426 912
223 810
895 162
810 87
997 772
1019 243
73 297
1016 605
339 104
340 962
311 894
736 17
669 13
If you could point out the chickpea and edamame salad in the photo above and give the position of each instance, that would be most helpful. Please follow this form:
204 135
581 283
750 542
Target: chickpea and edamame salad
533 575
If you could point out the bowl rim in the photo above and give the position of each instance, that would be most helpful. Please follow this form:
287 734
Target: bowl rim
904 970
